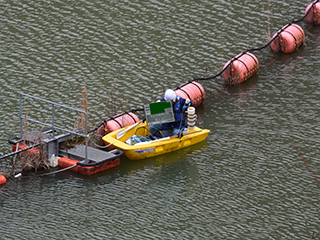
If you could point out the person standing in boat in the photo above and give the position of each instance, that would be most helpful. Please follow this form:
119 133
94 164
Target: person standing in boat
179 105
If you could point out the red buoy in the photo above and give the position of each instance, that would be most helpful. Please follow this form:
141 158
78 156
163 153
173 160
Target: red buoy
3 179
117 122
241 68
314 14
290 37
192 90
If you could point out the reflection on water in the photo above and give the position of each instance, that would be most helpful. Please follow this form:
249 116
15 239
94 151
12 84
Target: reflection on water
243 93
165 159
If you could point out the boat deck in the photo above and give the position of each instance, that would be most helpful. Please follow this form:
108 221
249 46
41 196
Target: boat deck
94 156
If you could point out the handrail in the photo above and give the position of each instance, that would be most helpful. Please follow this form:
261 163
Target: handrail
52 125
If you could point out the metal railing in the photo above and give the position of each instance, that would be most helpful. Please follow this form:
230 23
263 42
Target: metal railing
22 118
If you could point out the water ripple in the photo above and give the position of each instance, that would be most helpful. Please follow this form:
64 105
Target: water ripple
245 180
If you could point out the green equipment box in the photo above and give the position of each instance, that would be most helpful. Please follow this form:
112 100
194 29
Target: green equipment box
159 112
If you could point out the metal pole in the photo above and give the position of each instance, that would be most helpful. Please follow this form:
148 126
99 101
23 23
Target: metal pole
52 120
86 136
21 116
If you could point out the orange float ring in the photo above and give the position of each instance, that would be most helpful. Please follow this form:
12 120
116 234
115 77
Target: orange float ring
290 37
241 68
3 179
117 122
314 14
192 90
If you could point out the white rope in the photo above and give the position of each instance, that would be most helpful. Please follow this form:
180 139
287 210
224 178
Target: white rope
61 170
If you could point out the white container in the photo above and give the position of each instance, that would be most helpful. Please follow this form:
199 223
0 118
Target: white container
191 117
53 161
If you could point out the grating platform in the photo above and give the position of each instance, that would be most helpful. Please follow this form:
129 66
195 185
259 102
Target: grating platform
35 136
95 156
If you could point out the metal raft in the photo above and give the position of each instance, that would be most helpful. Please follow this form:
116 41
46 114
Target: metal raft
52 141
47 138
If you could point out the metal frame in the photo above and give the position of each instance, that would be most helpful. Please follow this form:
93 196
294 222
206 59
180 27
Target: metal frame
22 118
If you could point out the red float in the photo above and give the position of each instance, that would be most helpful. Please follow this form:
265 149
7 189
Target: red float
3 179
290 37
32 151
241 68
65 162
192 90
314 14
119 121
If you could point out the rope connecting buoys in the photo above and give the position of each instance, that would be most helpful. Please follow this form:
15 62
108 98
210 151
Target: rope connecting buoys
192 90
119 121
240 68
286 40
235 71
3 179
314 14
290 37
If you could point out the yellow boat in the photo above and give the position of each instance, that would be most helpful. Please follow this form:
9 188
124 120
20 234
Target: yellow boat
120 139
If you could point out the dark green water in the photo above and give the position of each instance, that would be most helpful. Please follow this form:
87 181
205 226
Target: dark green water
246 180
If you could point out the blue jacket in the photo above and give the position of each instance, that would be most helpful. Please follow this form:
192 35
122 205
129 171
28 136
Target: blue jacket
179 107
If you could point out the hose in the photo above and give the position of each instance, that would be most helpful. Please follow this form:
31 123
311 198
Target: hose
47 174
61 170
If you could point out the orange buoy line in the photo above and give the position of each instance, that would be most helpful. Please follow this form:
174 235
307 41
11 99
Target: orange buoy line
237 70
286 40
3 179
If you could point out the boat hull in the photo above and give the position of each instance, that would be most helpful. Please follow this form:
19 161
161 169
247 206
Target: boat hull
82 167
153 148
65 162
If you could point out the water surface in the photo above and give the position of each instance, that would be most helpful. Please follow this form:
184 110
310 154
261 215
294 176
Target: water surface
246 180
